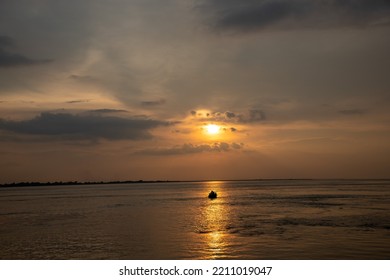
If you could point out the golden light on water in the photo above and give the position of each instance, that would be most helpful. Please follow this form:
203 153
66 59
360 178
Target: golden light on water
216 217
217 240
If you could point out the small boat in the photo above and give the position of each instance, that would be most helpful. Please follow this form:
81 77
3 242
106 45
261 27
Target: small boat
212 195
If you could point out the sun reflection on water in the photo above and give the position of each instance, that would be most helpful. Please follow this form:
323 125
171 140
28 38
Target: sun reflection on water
214 224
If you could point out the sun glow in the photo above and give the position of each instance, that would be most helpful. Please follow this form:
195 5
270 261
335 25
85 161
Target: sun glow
213 129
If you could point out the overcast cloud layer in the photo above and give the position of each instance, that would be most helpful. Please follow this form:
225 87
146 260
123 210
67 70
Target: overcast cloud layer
299 79
255 15
87 126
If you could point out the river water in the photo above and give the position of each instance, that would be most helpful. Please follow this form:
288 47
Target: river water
268 219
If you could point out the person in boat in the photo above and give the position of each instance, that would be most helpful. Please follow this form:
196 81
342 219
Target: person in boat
212 195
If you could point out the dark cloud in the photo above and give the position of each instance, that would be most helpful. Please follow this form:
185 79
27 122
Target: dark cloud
251 116
193 149
253 15
84 126
255 116
107 111
230 115
237 146
78 101
153 103
6 41
8 59
55 28
12 59
352 112
81 78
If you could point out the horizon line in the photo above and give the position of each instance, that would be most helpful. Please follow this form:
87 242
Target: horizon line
76 182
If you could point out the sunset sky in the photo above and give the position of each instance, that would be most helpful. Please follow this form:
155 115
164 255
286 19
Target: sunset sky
125 90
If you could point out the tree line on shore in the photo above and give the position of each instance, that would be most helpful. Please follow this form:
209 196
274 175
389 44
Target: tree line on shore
67 183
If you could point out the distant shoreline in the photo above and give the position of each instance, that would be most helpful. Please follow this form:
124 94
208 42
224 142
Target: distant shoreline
73 183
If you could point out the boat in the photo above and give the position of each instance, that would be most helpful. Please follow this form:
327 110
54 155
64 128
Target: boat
212 195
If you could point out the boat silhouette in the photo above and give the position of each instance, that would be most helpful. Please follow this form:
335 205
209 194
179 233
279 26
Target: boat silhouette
212 195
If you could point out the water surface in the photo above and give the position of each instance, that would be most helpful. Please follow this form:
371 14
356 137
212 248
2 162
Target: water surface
270 219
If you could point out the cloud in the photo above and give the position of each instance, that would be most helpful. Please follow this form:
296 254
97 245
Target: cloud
6 41
84 126
230 115
192 149
50 37
255 115
237 146
250 116
80 78
12 59
153 103
78 101
352 112
255 15
8 59
107 111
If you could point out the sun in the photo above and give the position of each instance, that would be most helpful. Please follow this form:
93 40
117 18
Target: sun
213 129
